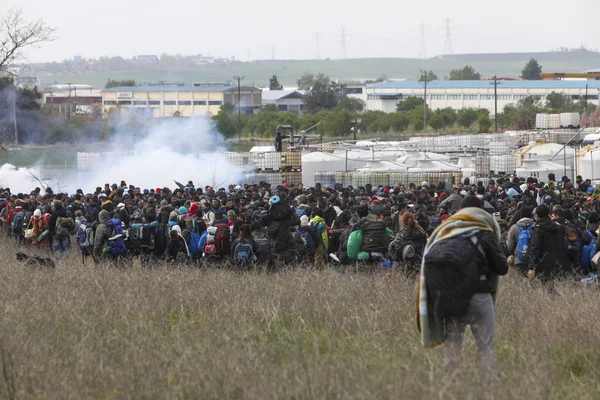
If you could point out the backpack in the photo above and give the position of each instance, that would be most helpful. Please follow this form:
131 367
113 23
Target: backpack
114 233
452 277
523 240
588 251
264 247
308 241
192 224
194 243
64 226
210 249
17 222
222 239
243 252
85 237
301 210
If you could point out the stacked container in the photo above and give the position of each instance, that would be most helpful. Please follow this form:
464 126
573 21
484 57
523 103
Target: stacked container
291 161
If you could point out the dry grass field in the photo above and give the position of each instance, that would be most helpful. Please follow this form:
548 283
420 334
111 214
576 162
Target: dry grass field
82 332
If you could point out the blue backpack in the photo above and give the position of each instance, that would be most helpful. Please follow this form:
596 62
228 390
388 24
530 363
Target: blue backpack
85 237
243 252
114 232
588 251
194 245
308 241
301 210
523 240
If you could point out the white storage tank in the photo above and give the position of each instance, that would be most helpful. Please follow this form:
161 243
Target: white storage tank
270 161
503 164
319 162
569 120
553 121
589 163
541 121
540 169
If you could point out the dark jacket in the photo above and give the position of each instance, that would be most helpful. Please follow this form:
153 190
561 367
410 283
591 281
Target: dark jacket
375 237
493 264
546 253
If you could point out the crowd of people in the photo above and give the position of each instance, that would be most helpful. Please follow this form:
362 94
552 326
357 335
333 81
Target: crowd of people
548 229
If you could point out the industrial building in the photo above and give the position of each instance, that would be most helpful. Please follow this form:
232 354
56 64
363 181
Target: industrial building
285 100
185 101
477 94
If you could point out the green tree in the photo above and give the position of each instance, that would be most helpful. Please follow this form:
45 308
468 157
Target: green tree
274 84
467 117
224 121
323 94
437 122
508 117
306 82
558 101
485 123
351 104
119 83
465 74
527 109
532 70
397 122
416 118
428 76
410 103
449 116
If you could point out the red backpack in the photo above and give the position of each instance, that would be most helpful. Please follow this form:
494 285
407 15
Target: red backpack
222 239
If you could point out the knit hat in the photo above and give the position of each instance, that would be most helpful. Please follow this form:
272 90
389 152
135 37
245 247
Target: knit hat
164 203
183 210
120 205
304 220
37 213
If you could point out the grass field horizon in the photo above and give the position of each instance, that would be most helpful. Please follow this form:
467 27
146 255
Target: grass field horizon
85 331
288 71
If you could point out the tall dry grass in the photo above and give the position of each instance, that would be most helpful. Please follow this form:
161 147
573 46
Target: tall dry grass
97 332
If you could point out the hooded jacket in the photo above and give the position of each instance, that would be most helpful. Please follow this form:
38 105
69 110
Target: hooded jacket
547 254
100 236
513 237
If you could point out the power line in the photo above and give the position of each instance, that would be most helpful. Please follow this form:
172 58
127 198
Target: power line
423 52
318 48
448 38
343 49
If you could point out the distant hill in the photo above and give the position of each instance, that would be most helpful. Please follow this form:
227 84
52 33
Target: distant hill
288 71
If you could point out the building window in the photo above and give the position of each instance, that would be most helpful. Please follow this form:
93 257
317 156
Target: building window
214 102
124 102
504 97
110 103
282 107
454 96
471 96
185 103
169 103
437 97
199 102
154 102
139 102
358 90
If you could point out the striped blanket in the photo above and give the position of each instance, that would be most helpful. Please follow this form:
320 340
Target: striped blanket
466 220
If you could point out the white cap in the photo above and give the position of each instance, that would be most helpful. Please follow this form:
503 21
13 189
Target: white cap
120 205
463 193
304 220
523 187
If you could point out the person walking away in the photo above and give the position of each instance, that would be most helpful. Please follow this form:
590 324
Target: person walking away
407 247
458 288
518 239
546 254
61 227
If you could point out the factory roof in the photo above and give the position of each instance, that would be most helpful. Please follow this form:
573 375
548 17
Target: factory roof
541 84
279 94
189 88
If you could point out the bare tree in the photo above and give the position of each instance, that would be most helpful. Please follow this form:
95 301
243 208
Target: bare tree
16 34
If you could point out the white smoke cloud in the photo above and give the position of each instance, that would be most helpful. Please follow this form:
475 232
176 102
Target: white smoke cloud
182 149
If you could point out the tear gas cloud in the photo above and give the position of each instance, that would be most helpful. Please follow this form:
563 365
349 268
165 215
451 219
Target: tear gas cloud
151 156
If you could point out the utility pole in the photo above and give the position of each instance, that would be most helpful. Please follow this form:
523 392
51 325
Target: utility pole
586 98
495 83
239 78
425 79
14 99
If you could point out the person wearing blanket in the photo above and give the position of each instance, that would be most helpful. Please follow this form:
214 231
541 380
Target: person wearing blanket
462 262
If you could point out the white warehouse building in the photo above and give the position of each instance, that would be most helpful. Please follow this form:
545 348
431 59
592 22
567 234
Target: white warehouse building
477 94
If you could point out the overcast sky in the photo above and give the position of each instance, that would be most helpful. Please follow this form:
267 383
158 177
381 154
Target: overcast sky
251 29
